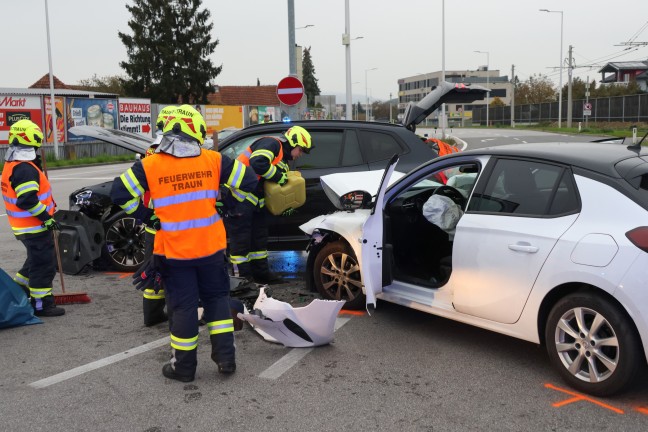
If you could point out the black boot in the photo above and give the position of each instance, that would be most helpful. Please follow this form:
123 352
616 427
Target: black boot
268 278
169 372
46 307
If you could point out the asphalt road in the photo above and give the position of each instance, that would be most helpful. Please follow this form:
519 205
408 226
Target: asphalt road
98 369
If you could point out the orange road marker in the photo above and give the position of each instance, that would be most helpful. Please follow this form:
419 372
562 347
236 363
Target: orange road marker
121 274
580 397
351 312
642 410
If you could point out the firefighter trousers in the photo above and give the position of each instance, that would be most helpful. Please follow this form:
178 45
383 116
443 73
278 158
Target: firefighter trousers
185 282
247 230
39 269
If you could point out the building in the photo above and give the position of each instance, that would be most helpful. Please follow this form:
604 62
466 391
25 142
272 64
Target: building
624 72
416 87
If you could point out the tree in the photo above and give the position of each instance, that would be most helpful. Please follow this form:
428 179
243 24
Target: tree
168 52
310 82
496 102
107 84
537 89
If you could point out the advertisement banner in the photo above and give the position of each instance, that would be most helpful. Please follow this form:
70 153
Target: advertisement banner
135 116
60 121
90 112
14 108
219 117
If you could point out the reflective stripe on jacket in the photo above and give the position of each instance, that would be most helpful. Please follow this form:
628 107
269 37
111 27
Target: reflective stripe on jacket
184 192
24 222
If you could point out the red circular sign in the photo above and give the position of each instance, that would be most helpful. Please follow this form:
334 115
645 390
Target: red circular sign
290 90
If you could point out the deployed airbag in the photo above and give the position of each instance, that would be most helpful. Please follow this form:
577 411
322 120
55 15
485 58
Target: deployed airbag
442 212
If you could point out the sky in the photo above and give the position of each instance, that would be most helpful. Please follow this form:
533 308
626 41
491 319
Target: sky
399 38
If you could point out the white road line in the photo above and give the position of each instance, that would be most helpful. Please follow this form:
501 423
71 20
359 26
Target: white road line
295 355
82 178
517 139
54 379
524 142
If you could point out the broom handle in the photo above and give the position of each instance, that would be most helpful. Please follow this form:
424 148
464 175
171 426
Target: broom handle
55 234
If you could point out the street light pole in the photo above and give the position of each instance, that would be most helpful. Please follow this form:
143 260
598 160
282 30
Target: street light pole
51 81
367 92
346 41
443 77
560 85
487 83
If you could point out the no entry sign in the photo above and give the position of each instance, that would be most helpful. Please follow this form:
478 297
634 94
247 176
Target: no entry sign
290 90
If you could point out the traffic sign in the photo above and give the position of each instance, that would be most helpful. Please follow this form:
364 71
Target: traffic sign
290 90
587 106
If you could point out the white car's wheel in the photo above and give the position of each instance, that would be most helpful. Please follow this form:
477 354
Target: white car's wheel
593 344
336 273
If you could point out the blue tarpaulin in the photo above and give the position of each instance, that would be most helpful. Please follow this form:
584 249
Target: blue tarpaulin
15 307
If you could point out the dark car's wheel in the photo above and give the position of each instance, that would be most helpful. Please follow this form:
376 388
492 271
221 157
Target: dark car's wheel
336 273
124 248
593 344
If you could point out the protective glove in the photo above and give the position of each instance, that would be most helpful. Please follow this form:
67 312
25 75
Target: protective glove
148 276
283 179
51 225
154 222
288 212
220 208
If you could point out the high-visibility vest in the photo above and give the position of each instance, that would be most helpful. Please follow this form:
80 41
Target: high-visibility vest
444 148
184 192
24 222
245 156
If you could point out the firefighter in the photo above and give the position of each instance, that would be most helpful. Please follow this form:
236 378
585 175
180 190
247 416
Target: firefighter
188 253
247 225
30 206
153 303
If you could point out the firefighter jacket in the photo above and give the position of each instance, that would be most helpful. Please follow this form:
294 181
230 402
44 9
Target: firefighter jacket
183 191
27 195
267 158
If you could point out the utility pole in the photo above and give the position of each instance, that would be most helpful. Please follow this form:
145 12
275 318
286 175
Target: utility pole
570 69
390 108
293 112
587 93
512 95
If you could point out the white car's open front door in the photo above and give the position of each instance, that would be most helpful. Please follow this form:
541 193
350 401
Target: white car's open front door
371 263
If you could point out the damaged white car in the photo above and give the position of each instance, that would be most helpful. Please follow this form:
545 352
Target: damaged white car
543 242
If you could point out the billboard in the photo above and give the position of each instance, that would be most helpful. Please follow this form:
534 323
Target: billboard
90 112
218 117
135 116
14 108
60 120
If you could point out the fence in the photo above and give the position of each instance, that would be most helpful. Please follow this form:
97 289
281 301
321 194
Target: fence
78 150
632 108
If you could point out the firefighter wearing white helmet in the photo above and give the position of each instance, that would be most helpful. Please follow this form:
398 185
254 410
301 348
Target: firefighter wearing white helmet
189 248
247 225
27 195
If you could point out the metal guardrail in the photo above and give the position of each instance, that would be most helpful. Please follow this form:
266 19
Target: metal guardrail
633 108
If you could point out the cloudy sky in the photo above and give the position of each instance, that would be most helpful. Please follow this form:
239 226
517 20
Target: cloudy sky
399 38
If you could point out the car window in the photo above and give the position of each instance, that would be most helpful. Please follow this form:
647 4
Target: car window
326 152
351 154
377 146
527 188
237 147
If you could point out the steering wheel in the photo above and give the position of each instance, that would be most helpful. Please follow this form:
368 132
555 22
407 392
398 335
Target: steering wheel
451 193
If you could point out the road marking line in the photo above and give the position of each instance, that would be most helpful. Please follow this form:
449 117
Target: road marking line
63 376
82 178
579 397
294 355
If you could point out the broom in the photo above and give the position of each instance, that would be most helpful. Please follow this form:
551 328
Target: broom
64 298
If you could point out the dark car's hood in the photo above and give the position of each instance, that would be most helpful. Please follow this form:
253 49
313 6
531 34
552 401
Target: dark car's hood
127 140
445 92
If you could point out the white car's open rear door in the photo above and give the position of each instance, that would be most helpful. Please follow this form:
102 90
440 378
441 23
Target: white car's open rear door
372 241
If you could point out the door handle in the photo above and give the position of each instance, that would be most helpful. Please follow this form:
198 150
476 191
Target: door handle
526 247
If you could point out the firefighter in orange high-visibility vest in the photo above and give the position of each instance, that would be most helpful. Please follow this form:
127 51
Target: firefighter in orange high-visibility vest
27 195
188 252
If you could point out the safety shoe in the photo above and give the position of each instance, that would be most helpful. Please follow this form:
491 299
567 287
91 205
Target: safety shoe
268 278
227 367
169 372
52 311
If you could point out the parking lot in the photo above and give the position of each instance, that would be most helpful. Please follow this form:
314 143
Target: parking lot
98 368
